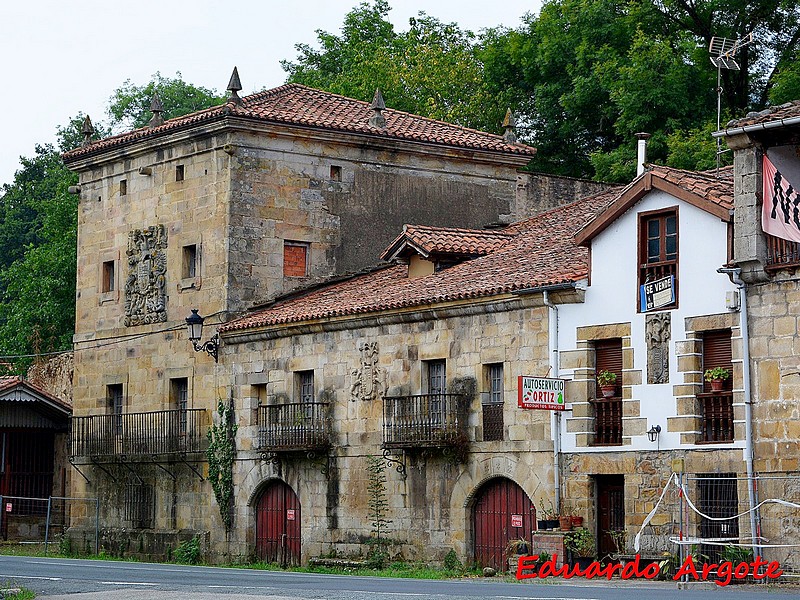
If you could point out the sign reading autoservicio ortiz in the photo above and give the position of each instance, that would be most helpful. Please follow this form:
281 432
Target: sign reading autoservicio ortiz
541 392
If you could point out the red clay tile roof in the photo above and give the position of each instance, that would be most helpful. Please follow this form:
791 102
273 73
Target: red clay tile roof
427 240
542 252
297 104
775 113
715 186
711 191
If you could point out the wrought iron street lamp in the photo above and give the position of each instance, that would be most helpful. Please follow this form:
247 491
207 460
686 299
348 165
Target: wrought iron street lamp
194 326
652 433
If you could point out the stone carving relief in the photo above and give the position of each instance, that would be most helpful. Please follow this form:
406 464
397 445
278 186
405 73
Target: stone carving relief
145 287
369 380
657 335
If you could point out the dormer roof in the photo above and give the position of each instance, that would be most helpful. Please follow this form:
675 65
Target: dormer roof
452 242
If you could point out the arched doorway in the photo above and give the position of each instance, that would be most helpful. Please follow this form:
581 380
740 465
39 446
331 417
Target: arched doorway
502 512
278 525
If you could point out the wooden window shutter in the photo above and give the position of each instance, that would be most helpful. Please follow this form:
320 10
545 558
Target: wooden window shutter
717 353
608 357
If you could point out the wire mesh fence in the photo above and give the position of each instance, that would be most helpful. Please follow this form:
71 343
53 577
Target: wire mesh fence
46 520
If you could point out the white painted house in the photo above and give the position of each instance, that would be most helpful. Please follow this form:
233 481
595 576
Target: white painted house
669 229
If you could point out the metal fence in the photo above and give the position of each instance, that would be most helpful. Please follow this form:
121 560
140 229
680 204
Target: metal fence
712 520
45 520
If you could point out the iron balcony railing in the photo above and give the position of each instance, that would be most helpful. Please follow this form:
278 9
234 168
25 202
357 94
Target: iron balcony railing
293 426
129 435
424 421
716 417
781 253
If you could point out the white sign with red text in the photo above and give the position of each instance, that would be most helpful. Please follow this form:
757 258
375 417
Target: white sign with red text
541 393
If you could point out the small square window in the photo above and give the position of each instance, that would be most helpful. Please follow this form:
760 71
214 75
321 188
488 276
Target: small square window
336 173
179 173
107 285
295 259
189 262
123 187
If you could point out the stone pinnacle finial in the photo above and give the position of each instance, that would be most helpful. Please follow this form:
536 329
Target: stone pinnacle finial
156 107
377 119
235 86
87 130
509 122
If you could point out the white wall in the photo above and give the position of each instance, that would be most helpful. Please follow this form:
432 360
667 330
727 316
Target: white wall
612 298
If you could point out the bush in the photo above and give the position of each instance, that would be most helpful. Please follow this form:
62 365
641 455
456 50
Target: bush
451 562
188 552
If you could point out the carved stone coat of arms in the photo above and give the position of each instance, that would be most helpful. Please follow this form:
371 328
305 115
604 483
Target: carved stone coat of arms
145 286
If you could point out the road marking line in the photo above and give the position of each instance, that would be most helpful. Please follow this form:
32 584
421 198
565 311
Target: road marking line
30 577
124 583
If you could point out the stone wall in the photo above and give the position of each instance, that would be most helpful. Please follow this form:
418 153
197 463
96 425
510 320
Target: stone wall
429 508
538 192
646 474
54 375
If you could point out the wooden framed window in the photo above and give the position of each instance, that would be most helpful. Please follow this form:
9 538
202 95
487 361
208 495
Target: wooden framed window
492 402
108 282
658 248
114 394
435 384
179 399
608 411
179 173
336 173
716 408
305 386
295 259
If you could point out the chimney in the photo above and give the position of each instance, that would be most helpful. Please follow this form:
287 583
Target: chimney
641 151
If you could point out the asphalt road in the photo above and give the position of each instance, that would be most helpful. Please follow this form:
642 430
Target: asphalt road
62 579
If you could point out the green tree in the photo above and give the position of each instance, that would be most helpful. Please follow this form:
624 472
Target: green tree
434 69
37 275
129 105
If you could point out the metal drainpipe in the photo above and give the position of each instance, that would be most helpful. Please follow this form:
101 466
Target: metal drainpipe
552 337
748 404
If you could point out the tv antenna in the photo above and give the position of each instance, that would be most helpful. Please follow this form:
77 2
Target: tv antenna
722 52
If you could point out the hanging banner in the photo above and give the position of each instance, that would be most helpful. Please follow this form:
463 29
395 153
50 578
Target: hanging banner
780 216
540 393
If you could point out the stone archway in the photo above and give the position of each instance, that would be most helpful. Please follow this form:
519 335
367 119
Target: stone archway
502 511
278 524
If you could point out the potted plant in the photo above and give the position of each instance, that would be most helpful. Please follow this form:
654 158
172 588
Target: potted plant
577 520
716 377
580 542
550 517
608 383
565 522
515 549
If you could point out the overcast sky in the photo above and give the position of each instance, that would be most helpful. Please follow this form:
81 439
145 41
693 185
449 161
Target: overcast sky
60 57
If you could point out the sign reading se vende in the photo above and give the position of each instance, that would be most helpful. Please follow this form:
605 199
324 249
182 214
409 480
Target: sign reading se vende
541 392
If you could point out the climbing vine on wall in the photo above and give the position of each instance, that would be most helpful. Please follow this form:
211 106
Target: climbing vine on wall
220 454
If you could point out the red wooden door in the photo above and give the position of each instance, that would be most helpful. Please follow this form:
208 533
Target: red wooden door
278 525
502 512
